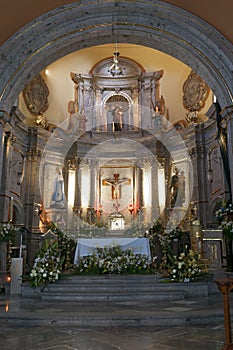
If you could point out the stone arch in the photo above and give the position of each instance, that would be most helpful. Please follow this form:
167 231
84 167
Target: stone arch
85 23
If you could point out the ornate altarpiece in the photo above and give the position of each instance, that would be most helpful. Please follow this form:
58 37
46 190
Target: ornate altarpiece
92 164
135 90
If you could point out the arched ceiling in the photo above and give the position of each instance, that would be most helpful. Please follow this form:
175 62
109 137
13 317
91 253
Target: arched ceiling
15 14
83 24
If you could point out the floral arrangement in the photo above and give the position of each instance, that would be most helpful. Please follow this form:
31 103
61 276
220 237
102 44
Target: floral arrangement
165 236
224 217
114 261
98 229
185 268
7 232
47 266
66 246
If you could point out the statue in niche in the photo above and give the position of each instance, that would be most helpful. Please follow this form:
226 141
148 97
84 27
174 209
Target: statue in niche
82 121
58 197
177 188
157 118
181 192
118 118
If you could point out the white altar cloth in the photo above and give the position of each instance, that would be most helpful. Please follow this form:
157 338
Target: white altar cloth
89 246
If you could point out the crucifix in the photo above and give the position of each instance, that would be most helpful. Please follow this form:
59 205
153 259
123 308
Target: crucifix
116 187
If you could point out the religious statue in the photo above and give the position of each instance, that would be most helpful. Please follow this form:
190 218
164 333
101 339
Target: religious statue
157 117
116 183
174 187
82 121
118 121
177 188
58 197
181 193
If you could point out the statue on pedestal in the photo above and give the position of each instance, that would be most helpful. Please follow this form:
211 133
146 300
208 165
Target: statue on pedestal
177 188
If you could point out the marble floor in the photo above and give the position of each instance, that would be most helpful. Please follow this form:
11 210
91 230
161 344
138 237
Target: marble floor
111 338
194 323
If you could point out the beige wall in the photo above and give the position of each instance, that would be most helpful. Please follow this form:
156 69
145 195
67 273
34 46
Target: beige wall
61 86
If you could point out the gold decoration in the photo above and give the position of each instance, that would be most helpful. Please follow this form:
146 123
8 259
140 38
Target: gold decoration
35 95
41 121
195 93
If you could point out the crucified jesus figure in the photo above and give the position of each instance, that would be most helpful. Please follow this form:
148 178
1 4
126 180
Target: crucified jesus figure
116 183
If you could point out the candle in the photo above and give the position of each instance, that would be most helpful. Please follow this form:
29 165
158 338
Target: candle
11 208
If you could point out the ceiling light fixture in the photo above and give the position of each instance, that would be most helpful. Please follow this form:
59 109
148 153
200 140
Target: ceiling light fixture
115 69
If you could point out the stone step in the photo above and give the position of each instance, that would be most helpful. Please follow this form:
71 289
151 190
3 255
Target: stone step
116 297
111 288
117 288
94 289
109 279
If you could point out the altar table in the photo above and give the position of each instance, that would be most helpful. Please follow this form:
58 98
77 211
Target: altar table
89 246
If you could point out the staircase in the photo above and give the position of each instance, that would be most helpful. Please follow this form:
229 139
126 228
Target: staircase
118 300
119 288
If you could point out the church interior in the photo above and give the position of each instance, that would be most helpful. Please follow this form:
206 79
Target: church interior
113 118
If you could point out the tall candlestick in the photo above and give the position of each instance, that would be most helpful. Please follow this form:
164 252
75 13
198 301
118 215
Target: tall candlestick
11 208
21 246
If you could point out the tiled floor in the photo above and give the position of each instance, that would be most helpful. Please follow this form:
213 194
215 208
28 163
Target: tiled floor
73 338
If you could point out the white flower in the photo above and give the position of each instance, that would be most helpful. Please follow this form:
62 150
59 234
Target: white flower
180 265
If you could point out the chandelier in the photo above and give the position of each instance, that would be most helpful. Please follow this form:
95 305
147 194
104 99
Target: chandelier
115 69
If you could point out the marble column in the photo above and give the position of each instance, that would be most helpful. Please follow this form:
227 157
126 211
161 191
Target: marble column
91 210
201 168
92 203
78 180
1 152
5 179
31 191
229 127
154 192
139 187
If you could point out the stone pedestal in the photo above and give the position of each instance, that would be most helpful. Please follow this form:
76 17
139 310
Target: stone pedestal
214 249
16 275
196 237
